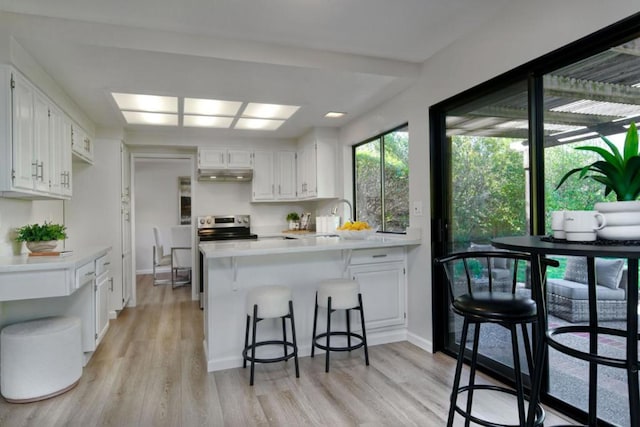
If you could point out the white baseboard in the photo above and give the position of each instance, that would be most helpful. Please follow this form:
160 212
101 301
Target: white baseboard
417 340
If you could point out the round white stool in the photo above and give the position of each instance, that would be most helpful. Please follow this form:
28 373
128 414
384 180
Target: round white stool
40 358
269 302
339 294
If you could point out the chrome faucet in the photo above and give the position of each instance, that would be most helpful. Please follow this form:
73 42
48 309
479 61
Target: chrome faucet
335 208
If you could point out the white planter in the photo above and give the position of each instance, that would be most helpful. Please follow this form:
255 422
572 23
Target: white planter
622 220
42 246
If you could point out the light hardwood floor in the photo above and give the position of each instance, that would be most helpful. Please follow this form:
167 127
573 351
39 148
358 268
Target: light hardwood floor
150 371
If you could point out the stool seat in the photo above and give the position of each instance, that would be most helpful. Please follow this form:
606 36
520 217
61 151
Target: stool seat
343 293
272 301
40 358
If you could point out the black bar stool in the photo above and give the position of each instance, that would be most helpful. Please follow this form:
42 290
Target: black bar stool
482 289
269 302
339 294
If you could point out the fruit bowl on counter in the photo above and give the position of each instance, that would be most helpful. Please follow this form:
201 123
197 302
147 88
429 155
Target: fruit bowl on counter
356 230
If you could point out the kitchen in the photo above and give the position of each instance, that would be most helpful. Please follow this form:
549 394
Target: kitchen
97 188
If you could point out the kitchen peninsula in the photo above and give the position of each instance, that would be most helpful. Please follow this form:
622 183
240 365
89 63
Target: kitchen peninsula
231 268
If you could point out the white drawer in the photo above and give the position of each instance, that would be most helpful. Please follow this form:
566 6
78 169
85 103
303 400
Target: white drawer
103 264
85 274
368 256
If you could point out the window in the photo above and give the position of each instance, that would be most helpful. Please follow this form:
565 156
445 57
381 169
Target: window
381 180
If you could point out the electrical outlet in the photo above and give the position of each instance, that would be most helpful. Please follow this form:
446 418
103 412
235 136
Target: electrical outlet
417 208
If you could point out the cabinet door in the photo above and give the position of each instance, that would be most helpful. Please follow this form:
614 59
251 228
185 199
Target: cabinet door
285 175
382 286
102 306
311 170
263 171
41 141
56 174
211 158
23 156
238 159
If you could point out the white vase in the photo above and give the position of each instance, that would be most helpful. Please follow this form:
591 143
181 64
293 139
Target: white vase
42 246
622 220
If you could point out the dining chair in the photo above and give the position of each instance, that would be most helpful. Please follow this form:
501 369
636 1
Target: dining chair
480 297
180 255
160 259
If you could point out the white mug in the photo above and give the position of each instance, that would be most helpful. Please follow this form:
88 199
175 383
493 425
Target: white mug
582 225
557 224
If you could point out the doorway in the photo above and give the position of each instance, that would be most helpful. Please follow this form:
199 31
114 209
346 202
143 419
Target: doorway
162 188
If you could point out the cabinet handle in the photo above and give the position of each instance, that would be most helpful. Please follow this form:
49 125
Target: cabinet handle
380 256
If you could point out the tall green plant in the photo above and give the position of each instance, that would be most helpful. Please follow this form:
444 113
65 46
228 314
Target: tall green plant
620 173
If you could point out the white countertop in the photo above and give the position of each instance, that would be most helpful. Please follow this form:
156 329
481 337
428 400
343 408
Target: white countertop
243 248
23 263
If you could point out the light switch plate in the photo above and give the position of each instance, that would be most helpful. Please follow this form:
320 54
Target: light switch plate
417 208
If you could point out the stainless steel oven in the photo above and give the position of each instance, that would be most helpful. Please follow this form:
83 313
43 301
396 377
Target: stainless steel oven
221 227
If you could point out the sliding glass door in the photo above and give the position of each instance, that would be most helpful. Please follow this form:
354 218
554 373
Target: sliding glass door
488 174
499 151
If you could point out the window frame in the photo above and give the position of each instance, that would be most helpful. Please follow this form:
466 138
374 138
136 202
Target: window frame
379 137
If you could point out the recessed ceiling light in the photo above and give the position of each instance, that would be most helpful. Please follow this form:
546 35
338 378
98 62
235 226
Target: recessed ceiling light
150 103
269 111
158 119
211 107
335 114
258 124
207 121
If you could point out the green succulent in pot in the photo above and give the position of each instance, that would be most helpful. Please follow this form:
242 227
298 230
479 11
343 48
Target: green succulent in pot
38 233
618 172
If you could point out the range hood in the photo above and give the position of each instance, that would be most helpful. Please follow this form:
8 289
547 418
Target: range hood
225 175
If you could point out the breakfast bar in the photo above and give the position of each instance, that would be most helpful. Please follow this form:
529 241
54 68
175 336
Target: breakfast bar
232 268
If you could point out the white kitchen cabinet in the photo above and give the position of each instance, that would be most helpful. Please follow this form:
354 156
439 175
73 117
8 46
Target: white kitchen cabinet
103 283
59 153
221 158
274 176
35 164
316 173
263 187
381 274
81 144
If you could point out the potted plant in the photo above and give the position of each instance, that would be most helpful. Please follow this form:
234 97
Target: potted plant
620 174
293 218
41 238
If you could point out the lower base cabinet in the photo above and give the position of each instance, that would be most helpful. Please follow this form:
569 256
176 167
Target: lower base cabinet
383 289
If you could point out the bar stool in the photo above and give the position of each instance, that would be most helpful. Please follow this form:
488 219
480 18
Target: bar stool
269 302
339 294
489 297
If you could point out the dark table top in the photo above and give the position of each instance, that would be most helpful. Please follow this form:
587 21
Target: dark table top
535 244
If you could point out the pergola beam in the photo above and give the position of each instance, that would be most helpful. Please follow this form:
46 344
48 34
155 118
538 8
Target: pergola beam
569 87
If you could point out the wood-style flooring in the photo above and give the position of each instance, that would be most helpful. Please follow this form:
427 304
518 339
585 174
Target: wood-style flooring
150 371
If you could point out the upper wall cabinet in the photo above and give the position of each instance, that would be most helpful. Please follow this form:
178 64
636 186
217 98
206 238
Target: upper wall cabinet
81 144
221 158
35 141
316 173
274 176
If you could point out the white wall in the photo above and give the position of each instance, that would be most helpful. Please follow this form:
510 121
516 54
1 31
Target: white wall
522 32
156 204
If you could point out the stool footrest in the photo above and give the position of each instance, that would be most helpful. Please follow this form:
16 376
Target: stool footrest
339 333
540 414
247 356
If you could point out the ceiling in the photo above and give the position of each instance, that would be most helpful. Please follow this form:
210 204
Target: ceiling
324 55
